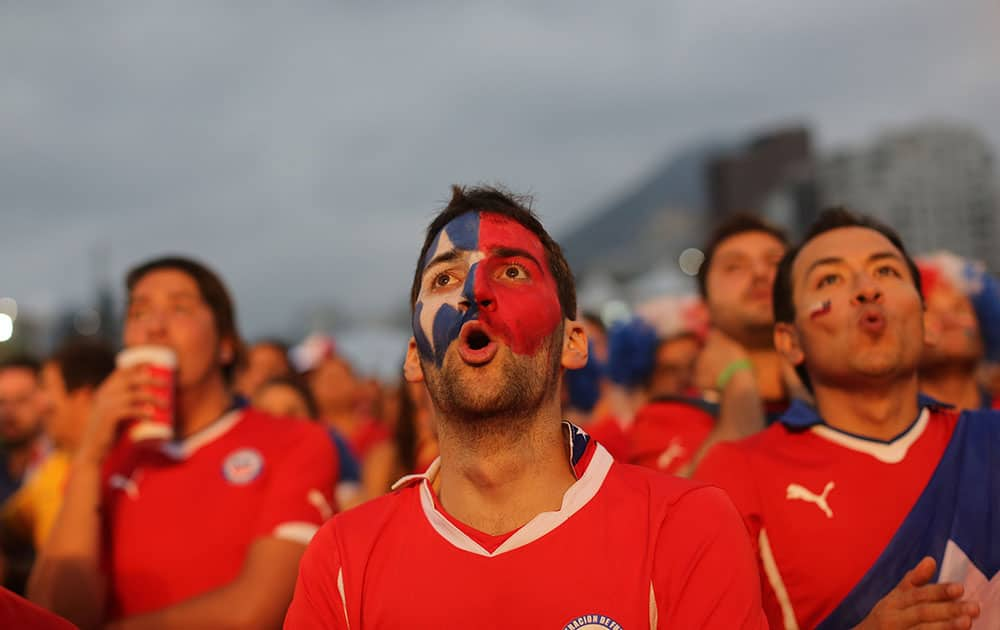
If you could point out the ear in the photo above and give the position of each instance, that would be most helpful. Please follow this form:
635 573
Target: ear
575 350
227 351
787 343
413 372
932 329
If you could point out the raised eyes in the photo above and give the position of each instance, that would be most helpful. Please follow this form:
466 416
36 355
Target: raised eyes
442 280
888 270
515 272
829 279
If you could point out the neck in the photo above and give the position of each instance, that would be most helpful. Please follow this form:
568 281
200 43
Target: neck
767 372
498 481
200 405
880 412
954 384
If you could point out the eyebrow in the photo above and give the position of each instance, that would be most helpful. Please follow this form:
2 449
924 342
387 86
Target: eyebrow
445 257
514 252
834 260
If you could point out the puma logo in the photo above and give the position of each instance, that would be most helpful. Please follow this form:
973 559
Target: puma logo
795 491
673 451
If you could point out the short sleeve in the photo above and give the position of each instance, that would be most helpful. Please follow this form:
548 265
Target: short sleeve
299 496
704 571
319 600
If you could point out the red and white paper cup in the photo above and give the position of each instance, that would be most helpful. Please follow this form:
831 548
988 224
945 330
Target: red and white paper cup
162 362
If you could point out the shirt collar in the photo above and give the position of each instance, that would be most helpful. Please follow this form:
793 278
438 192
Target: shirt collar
802 415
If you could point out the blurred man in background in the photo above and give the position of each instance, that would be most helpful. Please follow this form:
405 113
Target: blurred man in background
202 531
266 359
337 391
23 444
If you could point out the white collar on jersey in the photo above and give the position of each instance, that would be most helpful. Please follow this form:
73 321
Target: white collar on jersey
578 495
182 449
889 452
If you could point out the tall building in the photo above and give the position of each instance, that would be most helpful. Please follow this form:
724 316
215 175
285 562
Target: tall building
935 183
772 175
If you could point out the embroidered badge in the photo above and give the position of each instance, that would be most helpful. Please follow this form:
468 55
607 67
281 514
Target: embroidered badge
243 466
592 622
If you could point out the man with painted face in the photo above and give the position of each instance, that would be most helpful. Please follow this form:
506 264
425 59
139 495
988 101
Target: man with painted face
876 508
524 520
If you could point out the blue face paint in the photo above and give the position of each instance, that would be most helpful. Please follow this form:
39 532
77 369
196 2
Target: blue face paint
463 232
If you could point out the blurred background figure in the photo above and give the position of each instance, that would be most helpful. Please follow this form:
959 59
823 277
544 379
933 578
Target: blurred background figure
266 359
69 378
23 444
412 447
340 401
963 311
289 397
23 448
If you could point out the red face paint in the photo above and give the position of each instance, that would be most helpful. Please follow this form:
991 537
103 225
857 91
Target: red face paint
516 292
819 309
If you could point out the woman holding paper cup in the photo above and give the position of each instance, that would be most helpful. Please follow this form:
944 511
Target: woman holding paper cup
182 509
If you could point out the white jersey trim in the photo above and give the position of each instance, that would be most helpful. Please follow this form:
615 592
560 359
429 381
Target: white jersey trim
888 452
577 496
296 531
185 448
654 613
343 597
777 584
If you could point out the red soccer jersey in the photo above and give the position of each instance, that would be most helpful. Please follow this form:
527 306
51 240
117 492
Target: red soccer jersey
17 612
629 548
180 519
821 505
666 434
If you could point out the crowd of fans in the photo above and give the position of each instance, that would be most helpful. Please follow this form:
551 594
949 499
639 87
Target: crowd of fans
208 529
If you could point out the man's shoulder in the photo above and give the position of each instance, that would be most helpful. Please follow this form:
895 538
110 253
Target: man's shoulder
659 490
361 526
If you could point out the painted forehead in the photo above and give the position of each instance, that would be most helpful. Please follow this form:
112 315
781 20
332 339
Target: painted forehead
484 232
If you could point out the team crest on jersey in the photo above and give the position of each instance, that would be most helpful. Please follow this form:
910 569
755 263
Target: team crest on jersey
592 622
243 466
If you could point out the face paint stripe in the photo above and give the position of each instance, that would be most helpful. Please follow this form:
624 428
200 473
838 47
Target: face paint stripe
464 231
423 344
819 309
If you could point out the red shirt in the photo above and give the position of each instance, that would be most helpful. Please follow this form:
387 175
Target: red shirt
666 434
180 519
17 612
629 548
821 505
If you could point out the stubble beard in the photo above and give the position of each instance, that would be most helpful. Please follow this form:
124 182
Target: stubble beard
499 399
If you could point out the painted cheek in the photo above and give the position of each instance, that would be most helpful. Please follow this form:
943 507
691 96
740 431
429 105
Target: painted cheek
523 316
819 309
438 323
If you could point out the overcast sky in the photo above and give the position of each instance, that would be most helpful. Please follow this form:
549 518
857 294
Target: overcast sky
301 148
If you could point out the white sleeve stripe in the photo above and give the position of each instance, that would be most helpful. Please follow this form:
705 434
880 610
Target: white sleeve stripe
654 613
777 584
296 531
343 598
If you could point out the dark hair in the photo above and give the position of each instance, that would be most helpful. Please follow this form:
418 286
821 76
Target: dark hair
498 201
830 219
22 362
213 292
83 363
733 225
300 388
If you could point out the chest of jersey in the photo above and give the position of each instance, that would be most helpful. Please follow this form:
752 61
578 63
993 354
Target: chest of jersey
178 528
594 571
827 513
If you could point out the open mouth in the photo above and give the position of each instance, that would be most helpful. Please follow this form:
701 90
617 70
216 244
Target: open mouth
475 345
872 321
